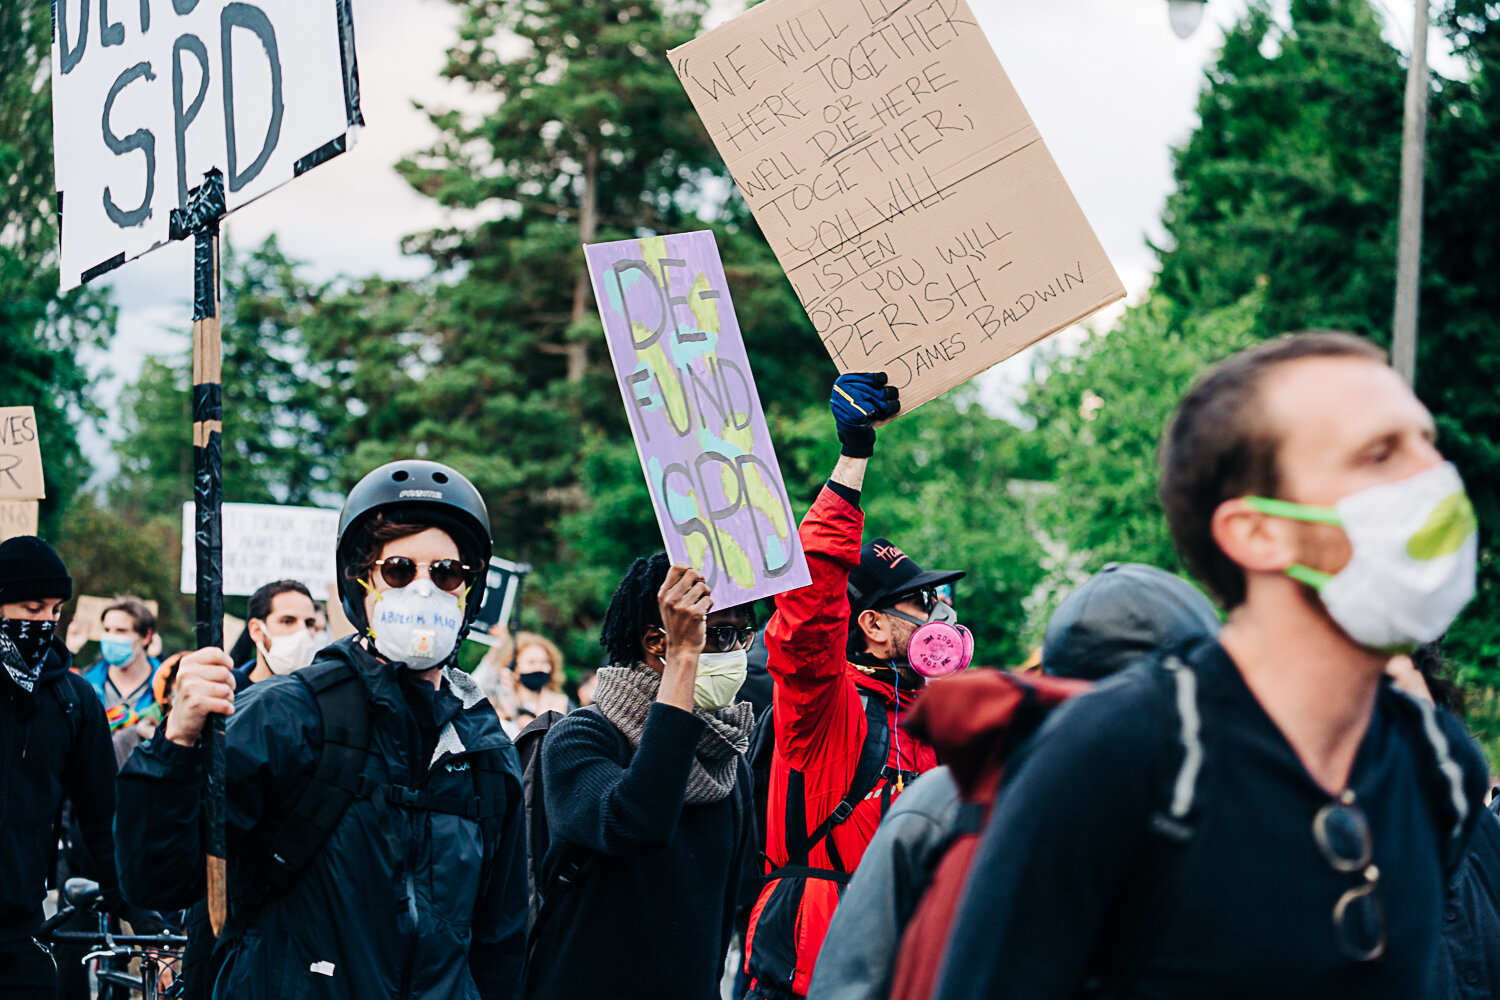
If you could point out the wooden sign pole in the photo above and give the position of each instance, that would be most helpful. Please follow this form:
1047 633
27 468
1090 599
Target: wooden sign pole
205 210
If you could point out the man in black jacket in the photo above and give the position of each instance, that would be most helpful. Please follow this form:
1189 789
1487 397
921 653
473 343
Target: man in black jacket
54 741
1262 815
416 887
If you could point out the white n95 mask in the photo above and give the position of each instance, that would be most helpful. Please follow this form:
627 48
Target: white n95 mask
1415 552
417 624
287 654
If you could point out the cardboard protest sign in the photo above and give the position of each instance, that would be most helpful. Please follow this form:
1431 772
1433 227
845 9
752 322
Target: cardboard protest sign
264 543
20 456
339 624
697 419
17 517
90 611
502 594
147 98
900 182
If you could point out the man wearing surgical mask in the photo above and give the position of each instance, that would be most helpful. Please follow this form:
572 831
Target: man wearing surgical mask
1316 812
283 621
647 797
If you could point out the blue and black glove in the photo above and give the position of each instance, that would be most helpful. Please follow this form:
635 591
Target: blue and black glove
858 402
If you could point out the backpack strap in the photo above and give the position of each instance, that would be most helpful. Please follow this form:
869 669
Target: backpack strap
324 796
1445 779
1151 893
874 764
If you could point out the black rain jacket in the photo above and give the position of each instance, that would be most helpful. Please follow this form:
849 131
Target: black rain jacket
398 902
54 741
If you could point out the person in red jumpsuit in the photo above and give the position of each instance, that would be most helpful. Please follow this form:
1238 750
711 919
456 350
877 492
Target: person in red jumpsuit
837 656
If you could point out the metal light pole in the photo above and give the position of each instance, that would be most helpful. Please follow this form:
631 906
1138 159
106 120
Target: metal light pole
1186 16
1413 175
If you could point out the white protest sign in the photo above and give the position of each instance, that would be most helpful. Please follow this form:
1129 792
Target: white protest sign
899 180
148 97
264 543
17 517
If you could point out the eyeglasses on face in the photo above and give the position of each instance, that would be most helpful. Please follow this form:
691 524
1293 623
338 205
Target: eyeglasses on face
1342 833
926 599
724 638
446 574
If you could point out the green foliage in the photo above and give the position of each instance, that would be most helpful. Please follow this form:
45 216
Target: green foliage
278 427
496 365
41 331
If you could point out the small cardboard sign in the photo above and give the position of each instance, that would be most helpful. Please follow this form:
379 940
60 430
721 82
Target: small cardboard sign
264 543
20 457
902 185
148 98
90 611
697 418
17 517
502 593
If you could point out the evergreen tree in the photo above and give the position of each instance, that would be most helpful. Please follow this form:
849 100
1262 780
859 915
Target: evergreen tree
41 331
497 364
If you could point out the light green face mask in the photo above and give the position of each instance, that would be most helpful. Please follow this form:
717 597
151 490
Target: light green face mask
1415 551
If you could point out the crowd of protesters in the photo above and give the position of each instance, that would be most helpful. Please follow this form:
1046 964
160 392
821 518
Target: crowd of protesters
1271 799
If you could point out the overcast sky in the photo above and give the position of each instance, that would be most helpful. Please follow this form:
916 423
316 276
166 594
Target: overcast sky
1111 88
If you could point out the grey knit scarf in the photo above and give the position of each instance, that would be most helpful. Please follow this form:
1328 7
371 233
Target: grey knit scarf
624 695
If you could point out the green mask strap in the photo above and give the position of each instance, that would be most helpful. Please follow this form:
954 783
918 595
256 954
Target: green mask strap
1295 511
1299 512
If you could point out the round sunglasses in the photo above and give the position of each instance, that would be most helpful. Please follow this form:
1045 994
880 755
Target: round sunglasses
1342 833
446 574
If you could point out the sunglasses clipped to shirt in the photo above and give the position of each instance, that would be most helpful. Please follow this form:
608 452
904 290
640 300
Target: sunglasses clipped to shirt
1343 836
447 574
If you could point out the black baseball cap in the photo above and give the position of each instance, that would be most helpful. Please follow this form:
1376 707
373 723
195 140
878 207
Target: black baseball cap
886 573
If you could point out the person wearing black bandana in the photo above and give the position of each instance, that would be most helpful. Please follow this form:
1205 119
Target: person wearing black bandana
838 654
54 742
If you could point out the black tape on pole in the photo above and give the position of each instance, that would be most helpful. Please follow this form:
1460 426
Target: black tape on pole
351 67
201 218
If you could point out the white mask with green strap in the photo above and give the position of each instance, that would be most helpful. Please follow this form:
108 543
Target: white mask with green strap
1416 547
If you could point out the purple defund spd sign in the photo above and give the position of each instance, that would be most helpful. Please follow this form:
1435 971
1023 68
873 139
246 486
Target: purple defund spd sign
697 418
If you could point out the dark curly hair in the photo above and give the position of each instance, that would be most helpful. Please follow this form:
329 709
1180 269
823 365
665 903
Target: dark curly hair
633 608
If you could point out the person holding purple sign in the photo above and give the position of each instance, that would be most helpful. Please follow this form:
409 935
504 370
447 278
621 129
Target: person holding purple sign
646 797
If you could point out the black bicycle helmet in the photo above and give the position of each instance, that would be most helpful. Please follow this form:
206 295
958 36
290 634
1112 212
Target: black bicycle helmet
412 491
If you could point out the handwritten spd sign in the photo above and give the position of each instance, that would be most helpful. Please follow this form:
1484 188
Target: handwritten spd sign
903 187
20 457
148 97
697 419
264 543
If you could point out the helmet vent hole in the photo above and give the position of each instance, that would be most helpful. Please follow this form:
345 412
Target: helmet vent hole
439 477
400 475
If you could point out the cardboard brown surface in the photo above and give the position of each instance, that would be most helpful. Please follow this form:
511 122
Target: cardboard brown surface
902 185
17 517
20 455
90 610
338 622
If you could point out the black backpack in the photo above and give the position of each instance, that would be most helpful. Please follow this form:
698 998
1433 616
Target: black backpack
578 861
1151 891
338 779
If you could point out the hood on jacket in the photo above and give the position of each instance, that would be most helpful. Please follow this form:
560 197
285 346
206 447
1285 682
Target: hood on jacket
1117 615
976 719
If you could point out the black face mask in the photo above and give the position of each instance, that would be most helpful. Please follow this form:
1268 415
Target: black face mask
535 680
23 648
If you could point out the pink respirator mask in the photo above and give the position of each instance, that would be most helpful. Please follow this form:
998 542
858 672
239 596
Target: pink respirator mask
940 646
